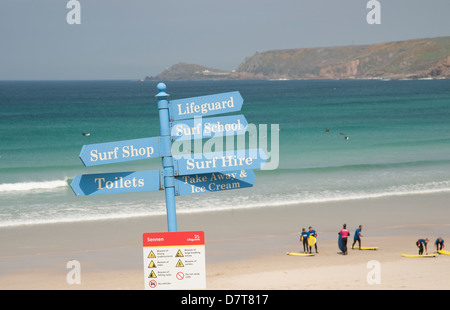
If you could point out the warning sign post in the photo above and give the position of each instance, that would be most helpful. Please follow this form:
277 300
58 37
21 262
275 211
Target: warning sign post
174 260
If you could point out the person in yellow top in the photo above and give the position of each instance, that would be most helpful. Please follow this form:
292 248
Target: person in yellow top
313 233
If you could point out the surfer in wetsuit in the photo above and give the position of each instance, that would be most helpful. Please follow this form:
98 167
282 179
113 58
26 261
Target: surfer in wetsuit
304 239
313 233
344 232
421 244
357 236
439 244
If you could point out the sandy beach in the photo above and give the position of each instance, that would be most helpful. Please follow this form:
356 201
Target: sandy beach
245 248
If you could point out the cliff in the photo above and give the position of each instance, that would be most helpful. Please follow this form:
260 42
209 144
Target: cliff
411 59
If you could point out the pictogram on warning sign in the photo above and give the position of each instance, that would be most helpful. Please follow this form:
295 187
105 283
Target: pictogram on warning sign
179 264
152 265
152 284
179 254
180 275
151 255
152 274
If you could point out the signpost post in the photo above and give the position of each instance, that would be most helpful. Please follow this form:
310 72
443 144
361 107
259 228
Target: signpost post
167 160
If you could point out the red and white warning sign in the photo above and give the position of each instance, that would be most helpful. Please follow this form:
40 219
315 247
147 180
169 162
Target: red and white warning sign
174 260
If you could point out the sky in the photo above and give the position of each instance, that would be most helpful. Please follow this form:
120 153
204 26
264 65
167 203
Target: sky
121 40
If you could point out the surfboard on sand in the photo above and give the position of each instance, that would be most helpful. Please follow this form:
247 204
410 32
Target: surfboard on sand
444 252
417 255
341 247
298 254
366 248
311 240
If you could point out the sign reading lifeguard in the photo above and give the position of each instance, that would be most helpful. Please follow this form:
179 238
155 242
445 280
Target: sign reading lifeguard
205 105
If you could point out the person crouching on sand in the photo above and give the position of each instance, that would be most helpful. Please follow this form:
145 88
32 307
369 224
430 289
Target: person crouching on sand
421 244
439 244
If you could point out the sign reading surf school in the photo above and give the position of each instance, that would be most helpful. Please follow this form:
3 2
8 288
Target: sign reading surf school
205 105
208 127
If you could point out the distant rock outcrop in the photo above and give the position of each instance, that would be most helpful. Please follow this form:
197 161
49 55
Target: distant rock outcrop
183 71
411 59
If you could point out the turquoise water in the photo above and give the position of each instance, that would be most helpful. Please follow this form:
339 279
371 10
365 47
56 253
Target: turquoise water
399 143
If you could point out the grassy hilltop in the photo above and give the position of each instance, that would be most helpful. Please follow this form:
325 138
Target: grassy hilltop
411 59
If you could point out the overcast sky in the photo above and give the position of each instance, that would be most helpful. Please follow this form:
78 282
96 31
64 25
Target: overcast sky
119 39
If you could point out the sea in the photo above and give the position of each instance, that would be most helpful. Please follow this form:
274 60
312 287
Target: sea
335 140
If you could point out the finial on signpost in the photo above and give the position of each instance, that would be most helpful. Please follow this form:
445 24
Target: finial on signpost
162 90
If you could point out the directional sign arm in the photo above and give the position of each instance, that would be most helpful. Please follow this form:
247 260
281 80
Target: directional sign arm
208 127
117 182
213 182
199 163
205 105
120 151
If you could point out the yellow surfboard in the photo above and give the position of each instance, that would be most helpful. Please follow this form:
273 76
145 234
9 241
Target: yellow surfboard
366 248
444 252
299 254
417 255
311 240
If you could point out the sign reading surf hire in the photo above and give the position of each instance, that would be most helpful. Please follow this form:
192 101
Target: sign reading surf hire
219 161
120 151
174 260
205 105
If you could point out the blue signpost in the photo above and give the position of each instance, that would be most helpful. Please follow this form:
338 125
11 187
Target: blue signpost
181 174
213 182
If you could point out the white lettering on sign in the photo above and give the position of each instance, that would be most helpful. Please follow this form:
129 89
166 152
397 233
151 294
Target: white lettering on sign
208 128
118 182
196 181
126 152
191 108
